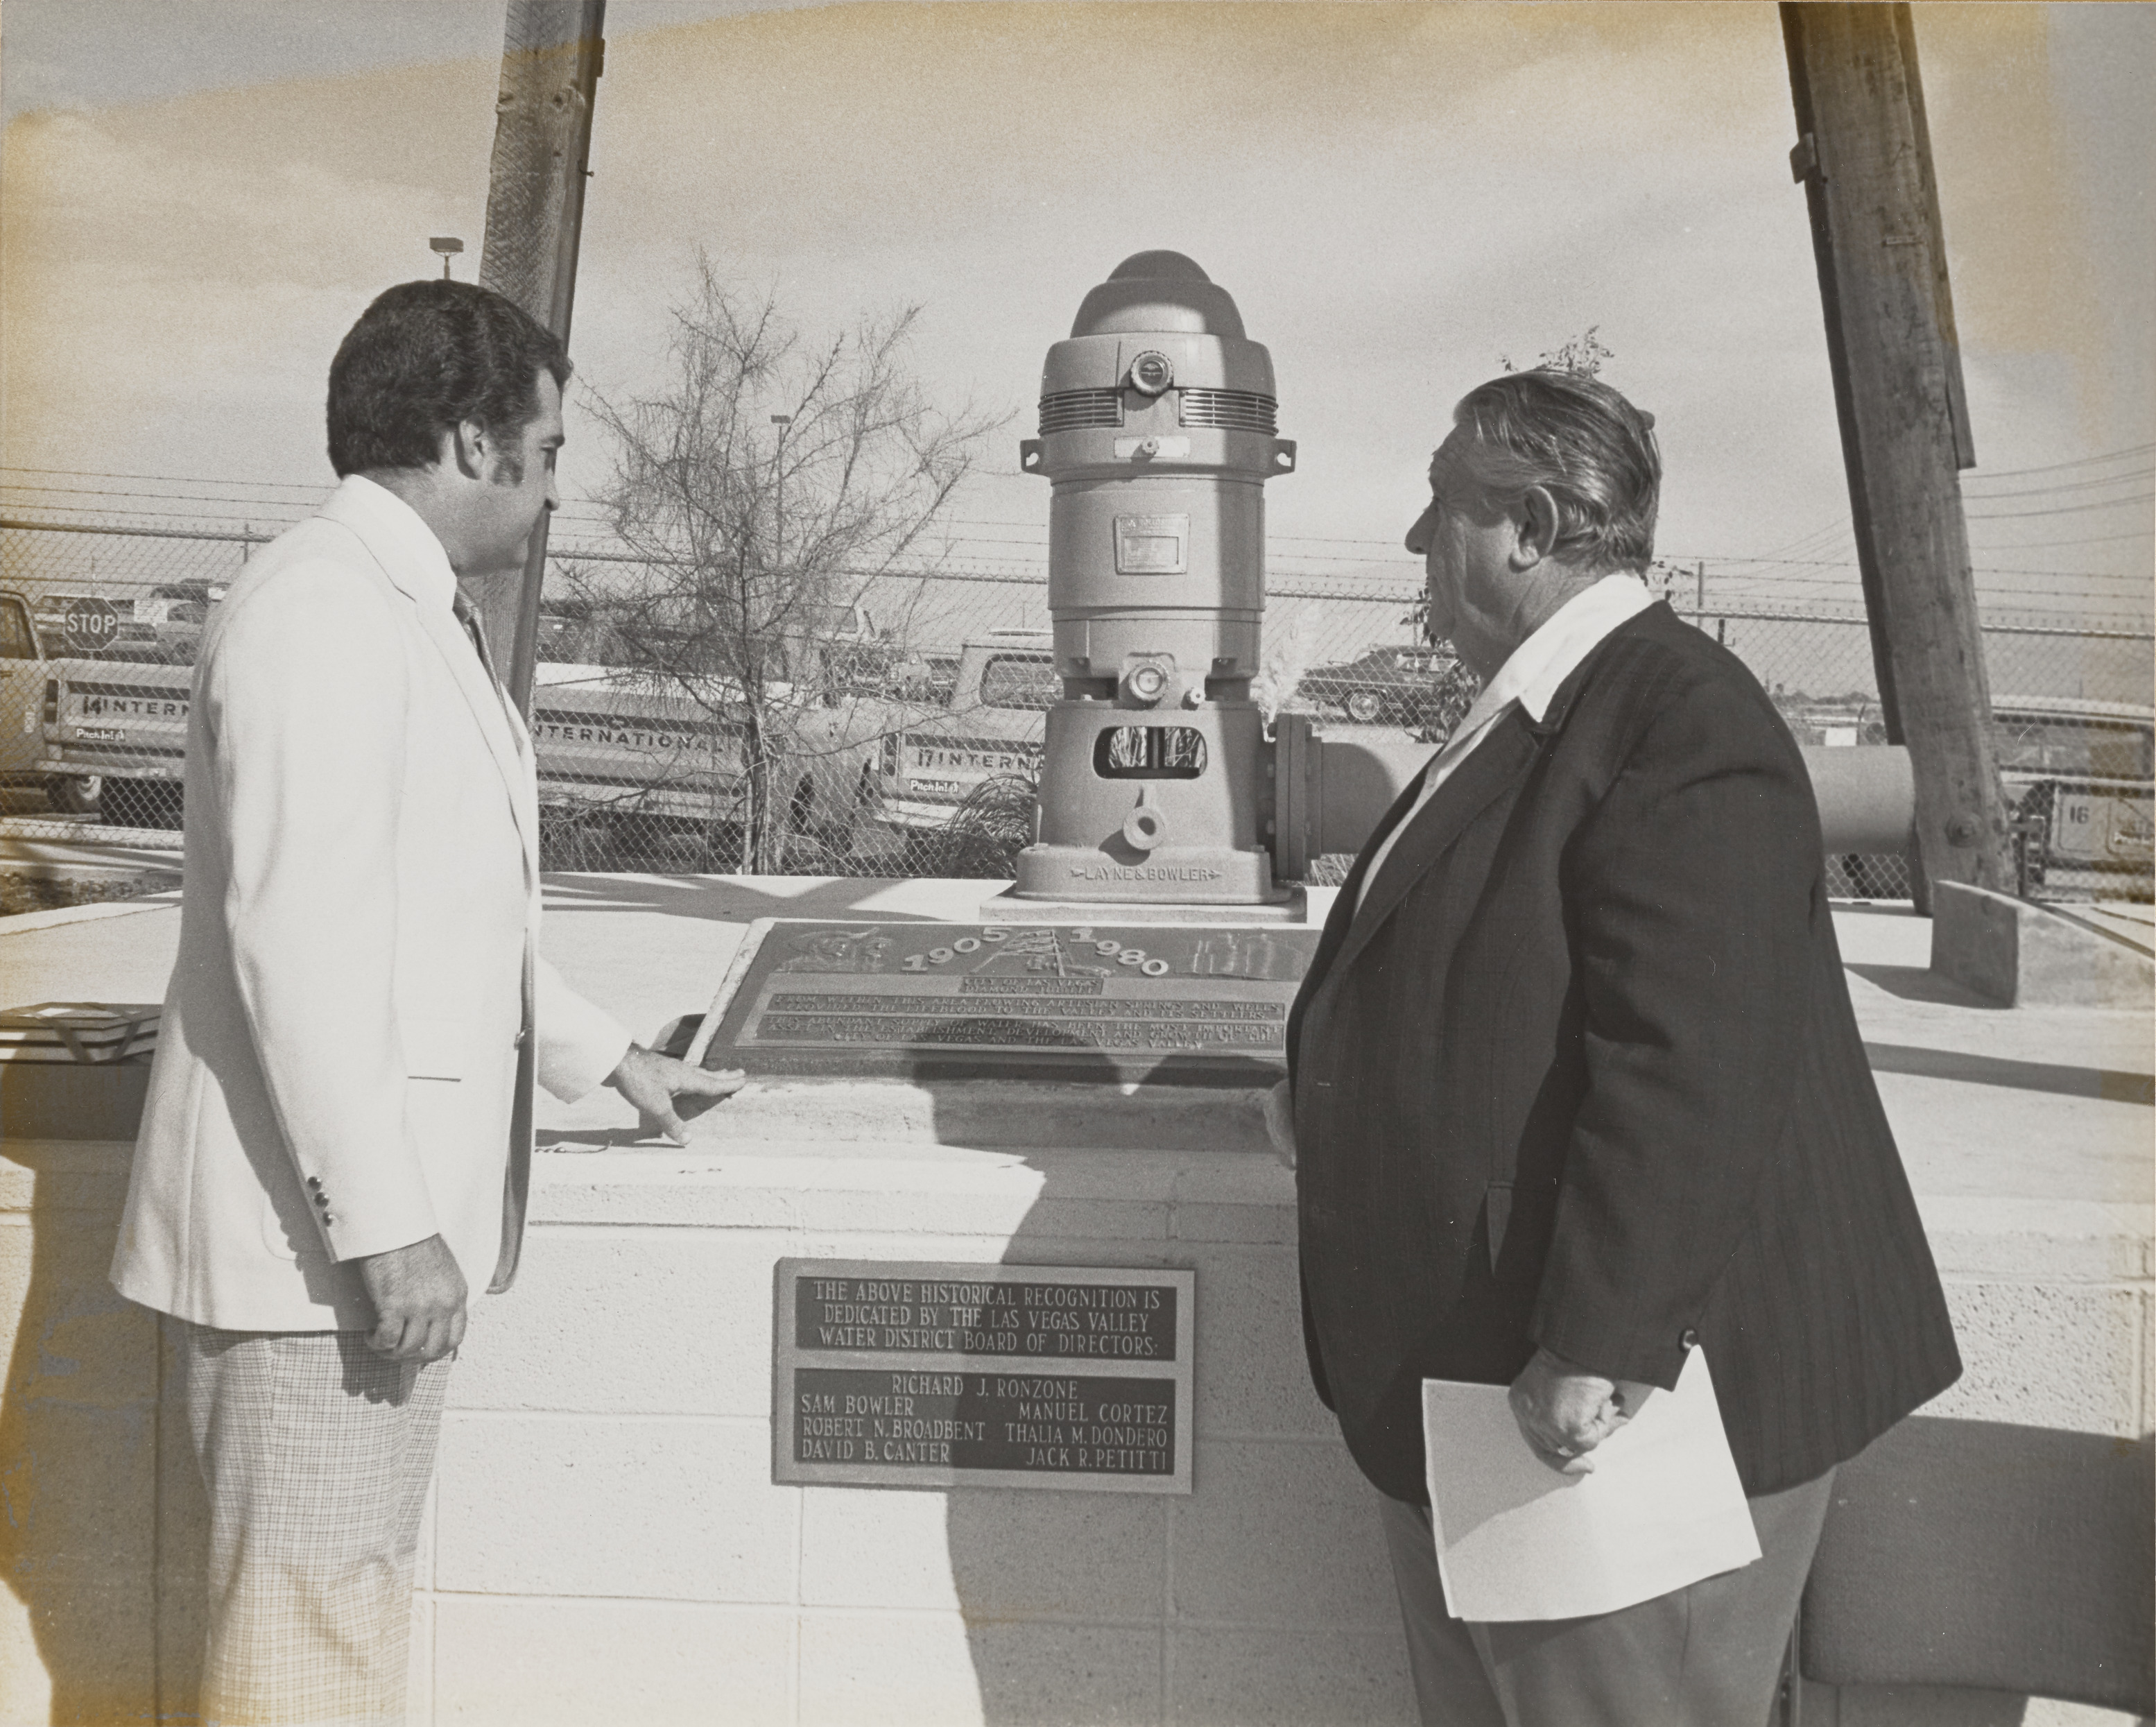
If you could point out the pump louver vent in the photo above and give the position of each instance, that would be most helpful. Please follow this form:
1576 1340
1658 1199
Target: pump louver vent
1230 410
1067 410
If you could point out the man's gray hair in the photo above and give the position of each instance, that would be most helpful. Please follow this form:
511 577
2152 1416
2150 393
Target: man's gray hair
1589 448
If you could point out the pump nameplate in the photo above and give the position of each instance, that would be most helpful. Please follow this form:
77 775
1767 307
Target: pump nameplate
1153 545
1077 1001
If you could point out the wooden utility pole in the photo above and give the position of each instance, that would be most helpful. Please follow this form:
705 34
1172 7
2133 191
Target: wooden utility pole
552 52
1864 155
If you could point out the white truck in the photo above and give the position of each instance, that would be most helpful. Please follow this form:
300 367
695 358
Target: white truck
934 753
101 735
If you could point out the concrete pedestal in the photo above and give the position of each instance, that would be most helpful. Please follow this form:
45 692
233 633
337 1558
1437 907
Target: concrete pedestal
2022 954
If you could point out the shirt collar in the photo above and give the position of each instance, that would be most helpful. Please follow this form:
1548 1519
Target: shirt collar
379 516
1546 659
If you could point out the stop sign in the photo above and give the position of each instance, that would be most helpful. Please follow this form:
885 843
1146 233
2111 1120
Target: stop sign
90 625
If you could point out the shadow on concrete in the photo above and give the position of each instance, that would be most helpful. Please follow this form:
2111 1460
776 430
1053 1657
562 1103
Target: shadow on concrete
100 1505
1038 1571
728 899
1250 1599
583 1139
1915 982
2106 1084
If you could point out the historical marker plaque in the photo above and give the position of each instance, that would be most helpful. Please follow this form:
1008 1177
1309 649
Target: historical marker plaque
1197 1004
894 1373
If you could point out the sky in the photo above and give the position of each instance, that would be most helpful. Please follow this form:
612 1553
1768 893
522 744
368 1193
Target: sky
198 197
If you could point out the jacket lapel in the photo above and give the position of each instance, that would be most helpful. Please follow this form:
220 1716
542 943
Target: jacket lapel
1479 780
490 709
1342 914
1491 766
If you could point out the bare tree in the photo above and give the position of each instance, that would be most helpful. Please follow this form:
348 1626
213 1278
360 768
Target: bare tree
765 490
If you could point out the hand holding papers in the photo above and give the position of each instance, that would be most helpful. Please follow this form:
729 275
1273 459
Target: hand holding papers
1663 1506
1566 1413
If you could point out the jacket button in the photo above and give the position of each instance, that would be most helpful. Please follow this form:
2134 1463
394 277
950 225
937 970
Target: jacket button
518 1041
327 1220
322 1199
1690 1340
314 1181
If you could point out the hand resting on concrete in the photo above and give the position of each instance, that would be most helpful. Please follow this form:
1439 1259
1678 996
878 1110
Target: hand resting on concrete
652 1082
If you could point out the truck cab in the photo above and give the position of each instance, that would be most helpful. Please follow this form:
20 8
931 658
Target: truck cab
988 727
2081 776
105 737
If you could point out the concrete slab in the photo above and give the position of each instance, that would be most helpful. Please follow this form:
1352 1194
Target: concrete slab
2051 1102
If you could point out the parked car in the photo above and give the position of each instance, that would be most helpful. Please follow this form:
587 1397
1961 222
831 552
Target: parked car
1425 688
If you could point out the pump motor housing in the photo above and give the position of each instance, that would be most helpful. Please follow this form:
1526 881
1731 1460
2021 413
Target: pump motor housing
1157 434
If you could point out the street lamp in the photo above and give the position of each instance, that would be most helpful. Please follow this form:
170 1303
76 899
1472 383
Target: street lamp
447 245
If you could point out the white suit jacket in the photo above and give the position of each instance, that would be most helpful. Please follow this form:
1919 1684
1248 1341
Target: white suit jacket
358 1009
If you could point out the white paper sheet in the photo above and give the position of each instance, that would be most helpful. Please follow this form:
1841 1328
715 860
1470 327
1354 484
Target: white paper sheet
1516 1539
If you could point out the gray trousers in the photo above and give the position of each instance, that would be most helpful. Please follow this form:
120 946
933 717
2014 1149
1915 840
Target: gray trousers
315 1453
1709 1655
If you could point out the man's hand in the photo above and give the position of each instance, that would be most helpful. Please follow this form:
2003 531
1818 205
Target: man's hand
652 1082
1565 1411
418 1297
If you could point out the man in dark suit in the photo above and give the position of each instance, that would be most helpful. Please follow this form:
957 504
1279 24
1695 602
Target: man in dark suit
1577 1086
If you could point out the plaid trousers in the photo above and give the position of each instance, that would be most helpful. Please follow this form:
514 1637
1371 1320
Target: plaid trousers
315 1453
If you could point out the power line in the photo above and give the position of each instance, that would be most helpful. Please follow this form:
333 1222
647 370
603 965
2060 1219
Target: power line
2127 478
173 479
2063 510
2086 461
2141 533
1994 569
169 497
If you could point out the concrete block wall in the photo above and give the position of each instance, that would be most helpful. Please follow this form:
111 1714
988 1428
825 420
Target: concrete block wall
2054 1311
606 1545
608 1450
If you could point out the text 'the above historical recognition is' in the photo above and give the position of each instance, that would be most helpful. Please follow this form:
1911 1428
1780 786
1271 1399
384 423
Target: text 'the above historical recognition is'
895 1374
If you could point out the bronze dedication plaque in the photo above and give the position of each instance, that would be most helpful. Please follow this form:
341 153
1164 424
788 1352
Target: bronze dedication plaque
1160 1002
899 1374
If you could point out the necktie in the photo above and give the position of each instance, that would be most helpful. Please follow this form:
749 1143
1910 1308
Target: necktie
468 615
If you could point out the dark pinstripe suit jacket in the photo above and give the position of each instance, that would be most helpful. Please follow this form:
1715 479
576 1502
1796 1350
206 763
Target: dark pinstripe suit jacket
1583 1072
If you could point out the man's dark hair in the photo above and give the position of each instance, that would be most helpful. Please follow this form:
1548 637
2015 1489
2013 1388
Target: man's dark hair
1592 450
426 356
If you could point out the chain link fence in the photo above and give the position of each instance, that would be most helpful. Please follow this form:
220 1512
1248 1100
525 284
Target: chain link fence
909 739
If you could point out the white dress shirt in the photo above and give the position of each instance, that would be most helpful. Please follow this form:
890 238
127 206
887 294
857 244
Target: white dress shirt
1529 678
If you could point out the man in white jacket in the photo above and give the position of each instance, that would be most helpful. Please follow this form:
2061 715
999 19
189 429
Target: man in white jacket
336 1143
